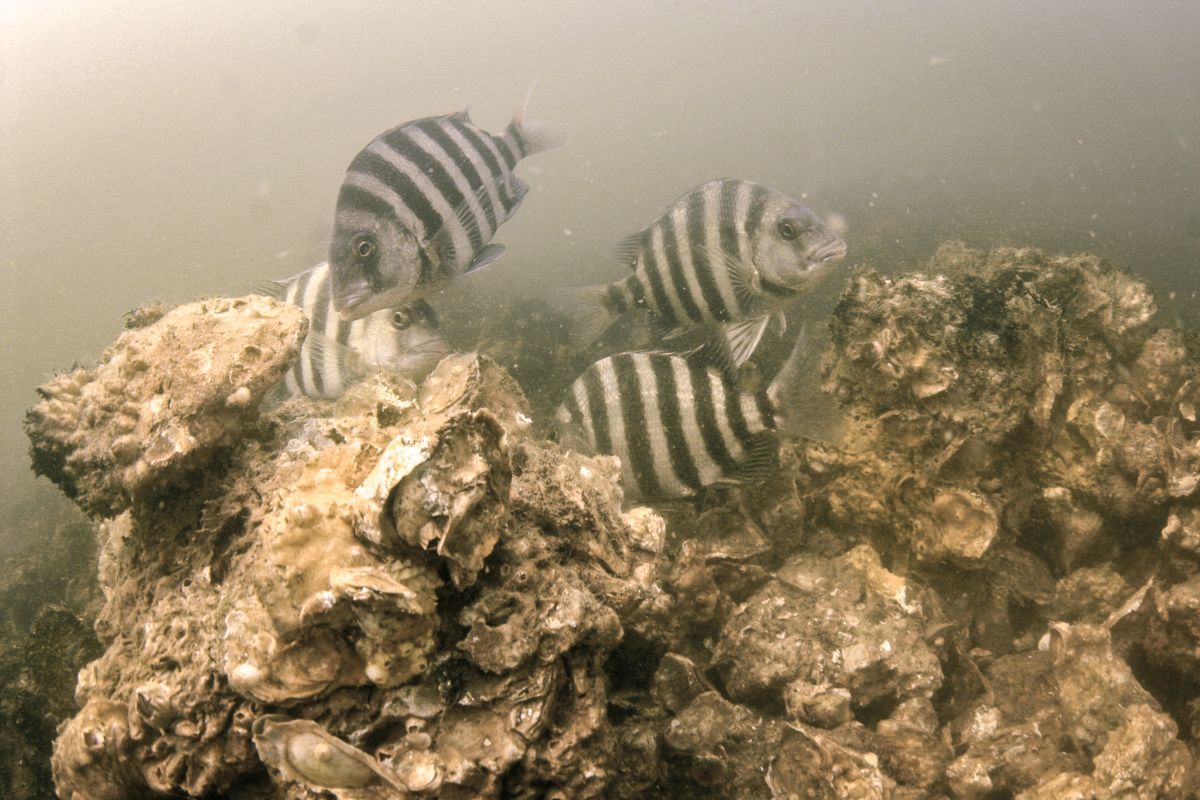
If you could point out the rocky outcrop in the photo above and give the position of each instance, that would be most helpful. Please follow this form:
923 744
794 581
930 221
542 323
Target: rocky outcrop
986 589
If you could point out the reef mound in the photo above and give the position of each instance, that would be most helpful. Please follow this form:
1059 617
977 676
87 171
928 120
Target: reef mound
988 588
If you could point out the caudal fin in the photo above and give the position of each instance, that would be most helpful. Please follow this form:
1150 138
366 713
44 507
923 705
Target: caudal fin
534 136
585 307
802 409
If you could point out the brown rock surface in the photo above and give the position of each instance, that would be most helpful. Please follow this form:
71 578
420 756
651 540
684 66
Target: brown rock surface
986 589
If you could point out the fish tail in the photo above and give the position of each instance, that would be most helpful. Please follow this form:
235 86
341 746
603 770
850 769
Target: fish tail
800 407
532 136
588 307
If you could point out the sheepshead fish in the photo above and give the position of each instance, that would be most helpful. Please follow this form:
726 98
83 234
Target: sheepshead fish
677 424
419 206
337 352
726 257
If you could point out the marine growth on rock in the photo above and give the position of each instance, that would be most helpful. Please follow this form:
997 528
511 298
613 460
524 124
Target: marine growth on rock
988 588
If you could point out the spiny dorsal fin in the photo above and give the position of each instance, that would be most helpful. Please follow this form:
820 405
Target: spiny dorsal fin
276 289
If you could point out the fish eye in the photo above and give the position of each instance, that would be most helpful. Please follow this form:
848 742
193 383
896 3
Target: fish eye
789 228
401 320
364 247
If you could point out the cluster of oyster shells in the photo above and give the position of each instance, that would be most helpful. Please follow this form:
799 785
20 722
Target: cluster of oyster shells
163 399
989 588
364 600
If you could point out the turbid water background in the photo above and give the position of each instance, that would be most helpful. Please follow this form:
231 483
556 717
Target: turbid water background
159 151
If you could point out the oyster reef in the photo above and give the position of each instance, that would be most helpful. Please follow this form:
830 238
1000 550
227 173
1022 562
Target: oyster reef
989 588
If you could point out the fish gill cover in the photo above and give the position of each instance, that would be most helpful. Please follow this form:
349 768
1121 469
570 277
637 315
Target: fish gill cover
987 588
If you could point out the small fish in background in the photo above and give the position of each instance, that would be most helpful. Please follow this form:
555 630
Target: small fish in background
419 206
724 258
337 352
678 425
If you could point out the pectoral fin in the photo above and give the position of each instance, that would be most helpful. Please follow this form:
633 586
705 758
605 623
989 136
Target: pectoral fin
744 278
330 350
743 337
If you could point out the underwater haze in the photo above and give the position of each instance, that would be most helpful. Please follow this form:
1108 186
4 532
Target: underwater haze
164 151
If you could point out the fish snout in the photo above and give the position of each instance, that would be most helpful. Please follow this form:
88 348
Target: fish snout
832 252
344 303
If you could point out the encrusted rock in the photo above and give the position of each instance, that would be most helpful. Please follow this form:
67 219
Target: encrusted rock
846 623
807 764
445 480
408 592
305 578
157 406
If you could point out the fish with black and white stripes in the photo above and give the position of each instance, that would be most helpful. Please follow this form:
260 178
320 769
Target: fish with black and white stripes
726 256
419 205
676 424
337 352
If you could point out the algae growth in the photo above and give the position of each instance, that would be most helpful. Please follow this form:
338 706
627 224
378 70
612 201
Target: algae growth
987 588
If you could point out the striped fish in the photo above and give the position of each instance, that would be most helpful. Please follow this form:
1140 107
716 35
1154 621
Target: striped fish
676 424
336 352
419 206
723 257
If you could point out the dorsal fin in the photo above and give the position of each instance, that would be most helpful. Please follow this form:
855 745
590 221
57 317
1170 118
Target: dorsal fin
276 289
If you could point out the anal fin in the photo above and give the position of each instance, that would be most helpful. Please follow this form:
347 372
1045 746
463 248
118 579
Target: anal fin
760 462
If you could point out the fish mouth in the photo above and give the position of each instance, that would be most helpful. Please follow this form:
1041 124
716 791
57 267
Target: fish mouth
431 350
834 251
427 350
346 304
